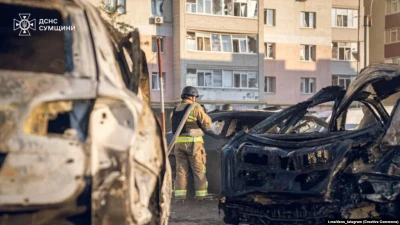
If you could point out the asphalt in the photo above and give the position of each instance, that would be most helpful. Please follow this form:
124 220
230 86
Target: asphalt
196 213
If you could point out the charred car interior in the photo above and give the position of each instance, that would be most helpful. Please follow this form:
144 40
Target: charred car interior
79 144
280 173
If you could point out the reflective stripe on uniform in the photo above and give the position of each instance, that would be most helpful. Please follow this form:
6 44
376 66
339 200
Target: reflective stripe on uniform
204 168
180 192
201 193
188 139
185 139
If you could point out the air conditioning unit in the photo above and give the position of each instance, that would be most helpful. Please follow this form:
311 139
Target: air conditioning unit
158 20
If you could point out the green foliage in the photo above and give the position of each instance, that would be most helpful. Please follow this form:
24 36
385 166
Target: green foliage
111 13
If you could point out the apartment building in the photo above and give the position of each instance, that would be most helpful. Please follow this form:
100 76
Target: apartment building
384 34
347 41
217 49
392 32
309 45
297 40
250 51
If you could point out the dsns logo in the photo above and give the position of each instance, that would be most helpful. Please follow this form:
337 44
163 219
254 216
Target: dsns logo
24 25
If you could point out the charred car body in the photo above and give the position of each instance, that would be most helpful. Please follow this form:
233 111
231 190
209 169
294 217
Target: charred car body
277 175
78 144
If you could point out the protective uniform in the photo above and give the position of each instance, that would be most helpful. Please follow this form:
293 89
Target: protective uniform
189 148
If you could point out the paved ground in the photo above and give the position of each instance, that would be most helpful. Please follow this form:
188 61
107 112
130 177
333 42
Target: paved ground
193 213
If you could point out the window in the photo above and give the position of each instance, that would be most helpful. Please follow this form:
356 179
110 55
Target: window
191 6
200 6
307 19
242 8
395 60
221 43
227 79
269 84
357 118
155 81
119 5
344 51
269 17
239 44
392 6
217 78
252 8
221 78
217 7
269 52
252 44
216 42
191 41
156 7
191 77
392 35
252 80
204 78
155 46
240 79
217 126
203 42
307 52
226 43
307 85
345 18
207 6
342 81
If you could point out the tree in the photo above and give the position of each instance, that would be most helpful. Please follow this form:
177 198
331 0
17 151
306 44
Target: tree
111 15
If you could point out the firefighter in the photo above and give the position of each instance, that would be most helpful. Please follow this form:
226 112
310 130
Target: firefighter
189 146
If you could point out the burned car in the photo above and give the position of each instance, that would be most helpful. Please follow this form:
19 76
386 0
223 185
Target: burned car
276 175
225 125
77 144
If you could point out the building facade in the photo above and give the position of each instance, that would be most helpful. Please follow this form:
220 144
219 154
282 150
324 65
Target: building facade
141 14
269 52
217 48
384 34
309 45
